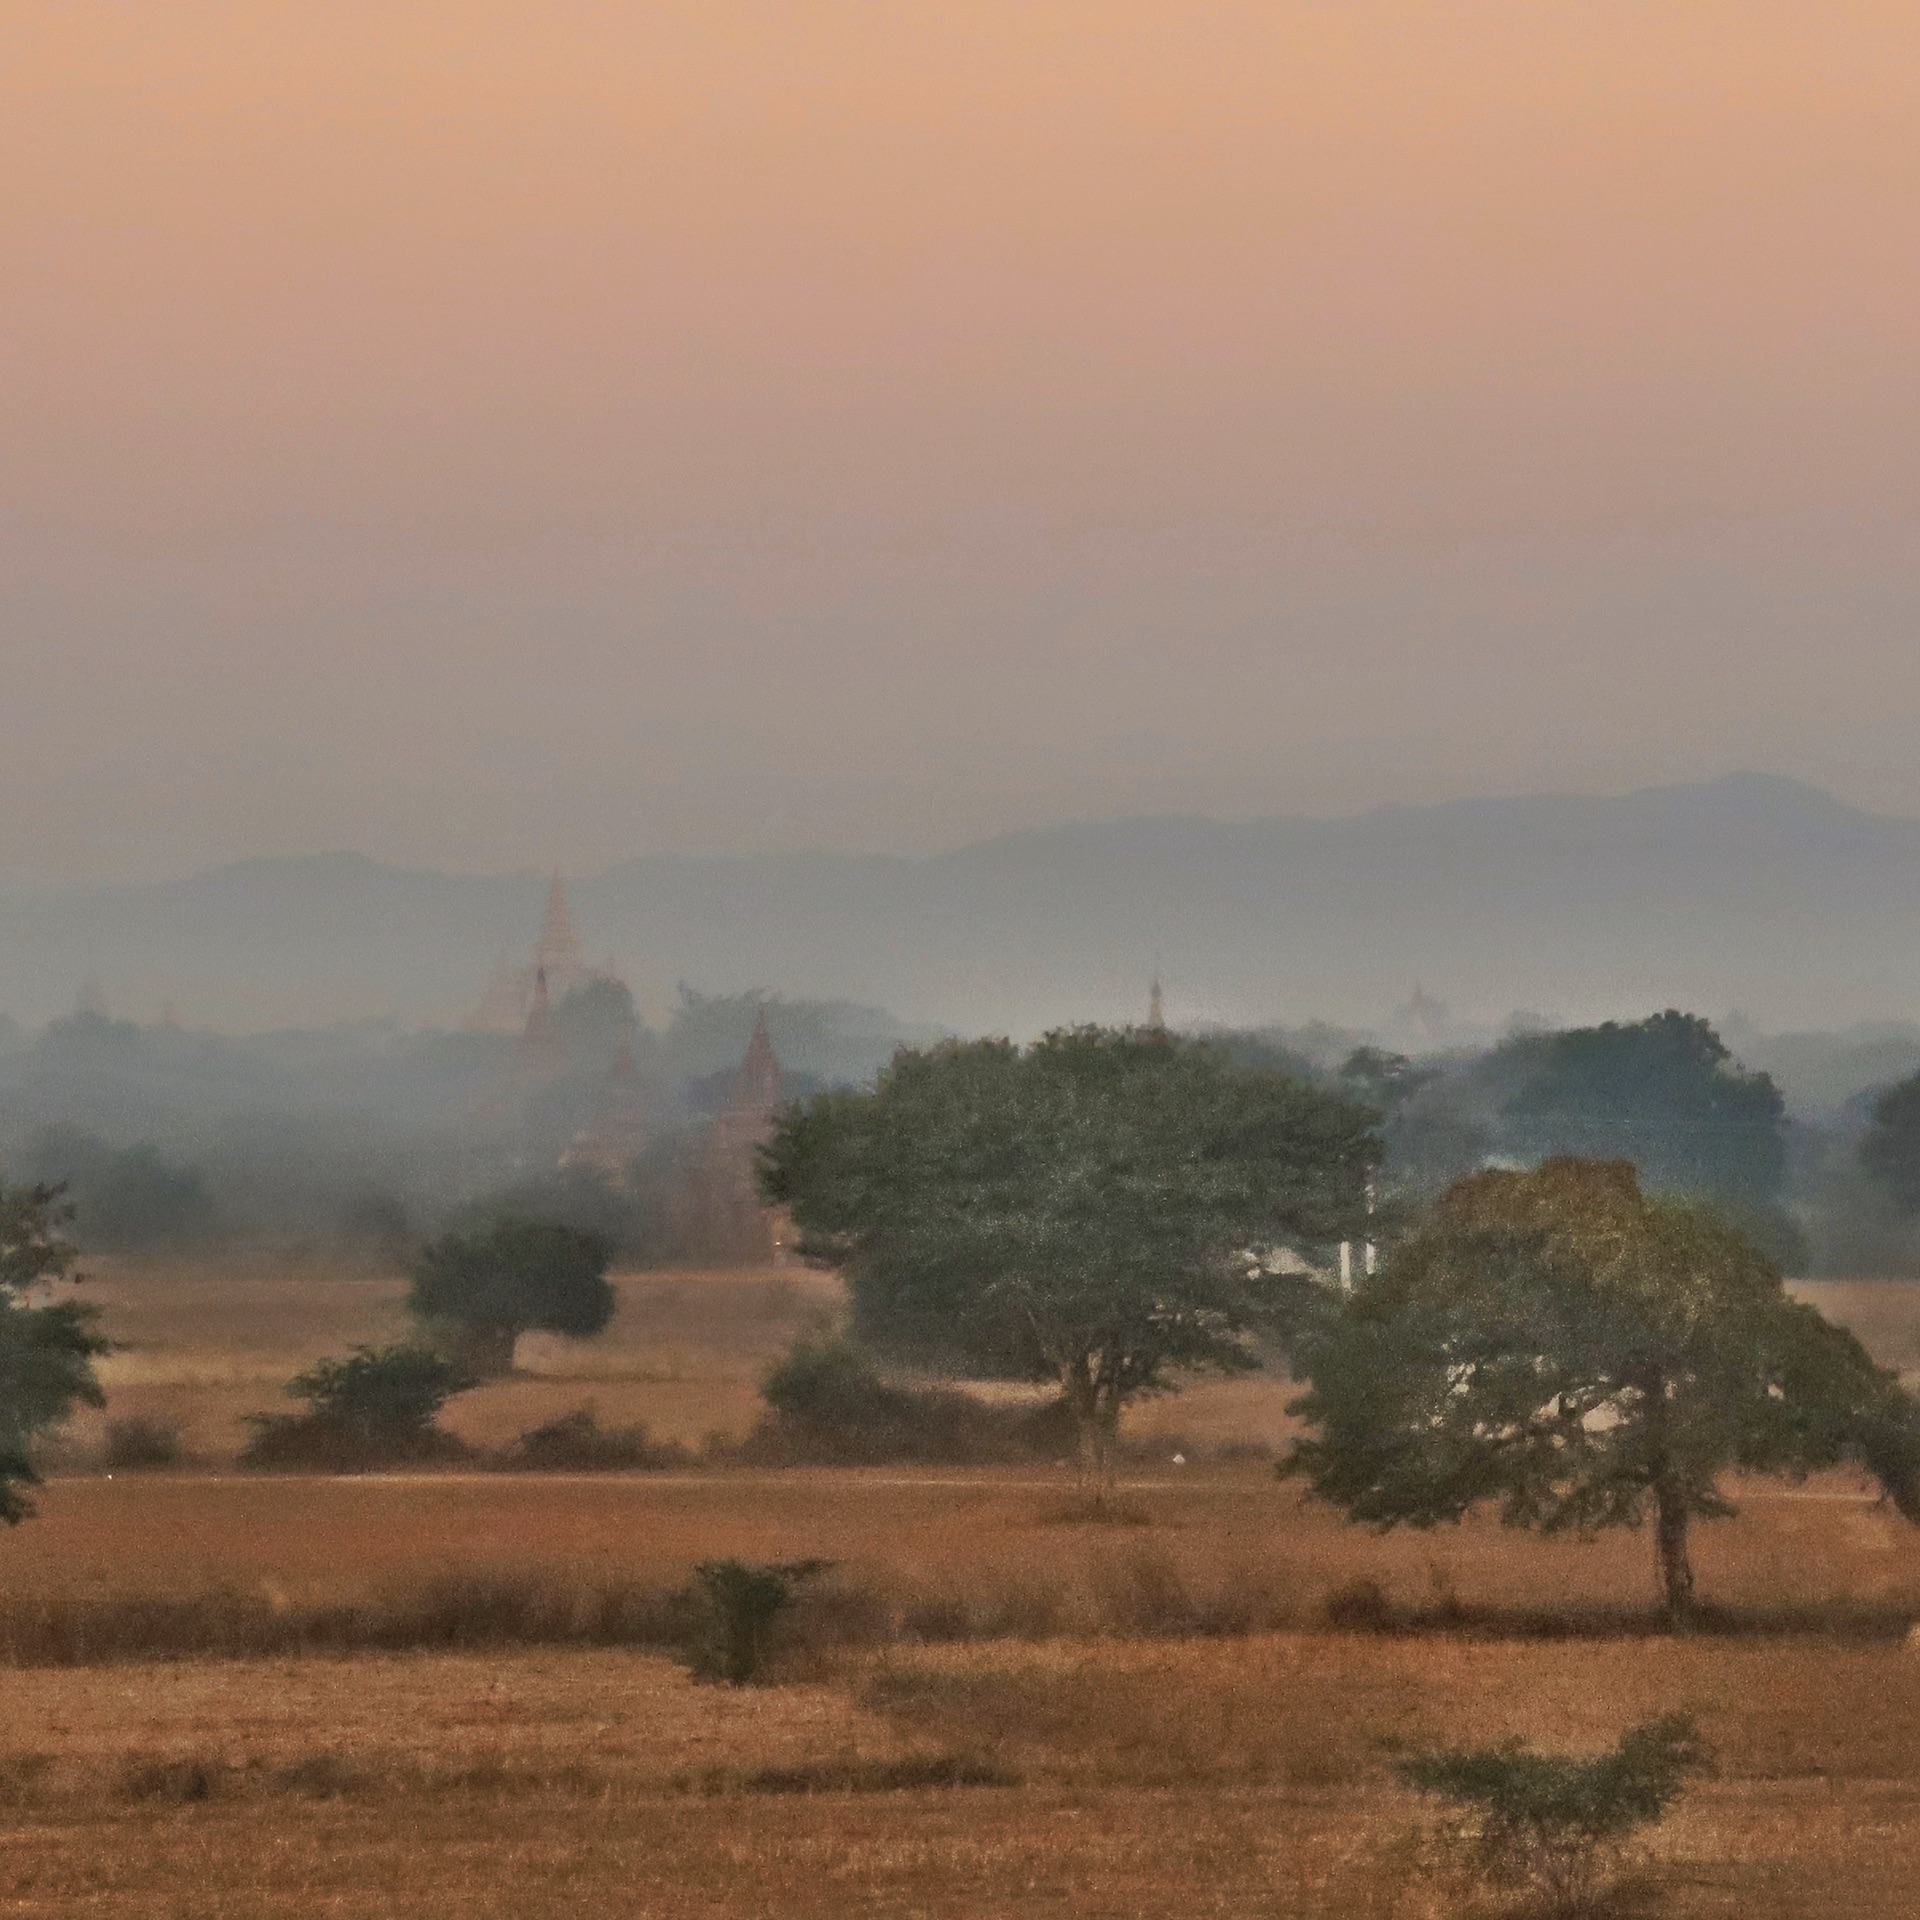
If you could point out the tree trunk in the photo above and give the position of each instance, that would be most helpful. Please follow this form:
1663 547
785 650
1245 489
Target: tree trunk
1096 1415
1671 1517
485 1351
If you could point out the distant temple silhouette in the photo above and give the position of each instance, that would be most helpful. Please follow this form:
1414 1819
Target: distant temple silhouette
508 1003
603 1110
720 1209
616 1137
541 1054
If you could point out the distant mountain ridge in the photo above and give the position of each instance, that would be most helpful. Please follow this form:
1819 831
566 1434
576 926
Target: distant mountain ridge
1752 891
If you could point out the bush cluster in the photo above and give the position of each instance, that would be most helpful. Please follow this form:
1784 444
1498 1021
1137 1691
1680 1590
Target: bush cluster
830 1405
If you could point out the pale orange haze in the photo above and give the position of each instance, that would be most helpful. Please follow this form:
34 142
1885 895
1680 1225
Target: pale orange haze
493 433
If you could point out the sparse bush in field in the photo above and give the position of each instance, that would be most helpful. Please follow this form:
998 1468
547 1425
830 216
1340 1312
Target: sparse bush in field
375 1408
829 1405
1359 1606
135 1443
174 1779
576 1442
1548 1825
743 1601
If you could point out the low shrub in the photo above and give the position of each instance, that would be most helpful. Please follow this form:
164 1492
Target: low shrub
742 1602
576 1442
173 1779
1549 1824
830 1405
1359 1606
376 1408
134 1444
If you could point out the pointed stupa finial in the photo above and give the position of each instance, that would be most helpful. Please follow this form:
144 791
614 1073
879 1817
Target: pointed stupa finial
1156 1004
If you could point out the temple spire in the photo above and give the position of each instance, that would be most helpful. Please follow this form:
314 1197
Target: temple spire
757 1091
558 948
1156 1007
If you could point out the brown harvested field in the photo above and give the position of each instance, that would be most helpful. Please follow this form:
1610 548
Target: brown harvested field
1123 1780
1174 1729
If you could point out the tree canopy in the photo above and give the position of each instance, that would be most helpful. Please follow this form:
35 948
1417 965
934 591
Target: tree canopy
46 1351
1562 1344
1663 1092
1890 1147
1094 1209
511 1276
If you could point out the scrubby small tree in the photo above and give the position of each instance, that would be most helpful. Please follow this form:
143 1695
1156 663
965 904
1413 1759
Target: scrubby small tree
46 1350
1561 1344
377 1406
1549 1824
480 1290
742 1601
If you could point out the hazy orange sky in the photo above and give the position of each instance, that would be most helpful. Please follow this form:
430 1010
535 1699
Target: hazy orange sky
502 434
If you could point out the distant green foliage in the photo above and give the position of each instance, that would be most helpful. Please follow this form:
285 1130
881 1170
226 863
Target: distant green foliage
486 1287
820 1040
1432 1123
742 1601
1561 1344
1090 1210
1890 1147
376 1407
46 1352
1546 1823
1663 1092
134 1443
123 1198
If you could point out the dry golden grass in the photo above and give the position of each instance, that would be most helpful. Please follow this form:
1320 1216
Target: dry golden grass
1154 1781
991 1541
202 1345
1162 1774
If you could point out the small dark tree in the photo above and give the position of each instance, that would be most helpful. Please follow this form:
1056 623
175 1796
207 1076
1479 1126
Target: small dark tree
1559 1343
742 1602
482 1290
46 1351
377 1406
1092 1210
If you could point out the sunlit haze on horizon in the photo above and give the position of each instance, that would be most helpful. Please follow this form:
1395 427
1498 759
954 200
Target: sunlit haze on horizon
504 435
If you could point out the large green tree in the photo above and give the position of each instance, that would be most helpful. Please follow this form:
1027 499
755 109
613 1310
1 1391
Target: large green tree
47 1350
1096 1210
1562 1344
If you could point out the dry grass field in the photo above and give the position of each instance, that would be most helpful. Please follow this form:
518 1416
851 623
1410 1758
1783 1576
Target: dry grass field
998 1707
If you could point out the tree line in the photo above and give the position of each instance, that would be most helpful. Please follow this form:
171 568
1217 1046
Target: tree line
1580 1343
